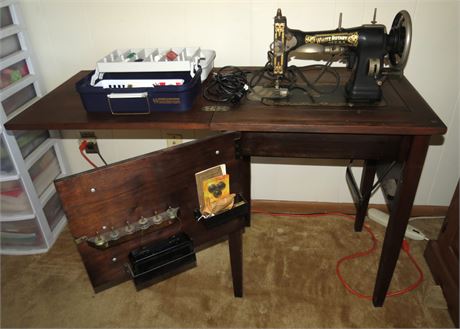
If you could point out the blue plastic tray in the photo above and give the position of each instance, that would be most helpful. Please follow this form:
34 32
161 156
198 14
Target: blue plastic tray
122 101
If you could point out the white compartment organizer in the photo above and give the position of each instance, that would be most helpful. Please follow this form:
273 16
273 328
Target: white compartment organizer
156 60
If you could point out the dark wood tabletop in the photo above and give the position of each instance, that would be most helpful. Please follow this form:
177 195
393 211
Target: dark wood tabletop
404 112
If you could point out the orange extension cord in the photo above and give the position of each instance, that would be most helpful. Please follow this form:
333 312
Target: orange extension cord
373 248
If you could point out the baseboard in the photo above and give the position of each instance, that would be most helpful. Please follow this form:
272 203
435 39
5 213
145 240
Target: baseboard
347 208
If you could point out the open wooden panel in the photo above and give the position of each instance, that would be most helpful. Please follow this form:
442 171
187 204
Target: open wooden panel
108 197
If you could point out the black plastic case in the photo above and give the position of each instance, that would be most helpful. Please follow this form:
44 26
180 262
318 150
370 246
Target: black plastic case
161 260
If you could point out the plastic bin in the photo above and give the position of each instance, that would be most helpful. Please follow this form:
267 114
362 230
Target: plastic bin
122 101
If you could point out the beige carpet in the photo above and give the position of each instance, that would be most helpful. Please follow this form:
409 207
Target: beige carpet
289 281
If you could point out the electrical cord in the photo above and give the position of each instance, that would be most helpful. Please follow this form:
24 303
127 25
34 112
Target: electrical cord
405 247
228 84
323 69
100 156
296 78
82 148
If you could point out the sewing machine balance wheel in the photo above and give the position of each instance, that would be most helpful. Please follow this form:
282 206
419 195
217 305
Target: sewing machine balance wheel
400 40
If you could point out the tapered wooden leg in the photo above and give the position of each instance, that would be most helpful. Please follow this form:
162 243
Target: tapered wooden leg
245 172
399 217
235 244
367 181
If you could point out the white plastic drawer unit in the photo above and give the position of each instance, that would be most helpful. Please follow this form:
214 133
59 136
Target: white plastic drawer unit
31 217
14 201
45 170
21 234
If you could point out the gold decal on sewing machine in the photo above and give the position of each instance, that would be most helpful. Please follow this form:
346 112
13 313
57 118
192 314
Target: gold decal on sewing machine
279 30
278 48
343 38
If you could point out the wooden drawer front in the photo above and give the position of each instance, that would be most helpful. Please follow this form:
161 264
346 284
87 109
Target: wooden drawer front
328 146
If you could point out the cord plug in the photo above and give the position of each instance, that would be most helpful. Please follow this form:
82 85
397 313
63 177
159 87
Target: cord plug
405 246
89 146
83 145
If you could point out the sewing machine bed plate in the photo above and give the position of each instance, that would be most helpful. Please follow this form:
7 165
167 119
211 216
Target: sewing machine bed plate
298 97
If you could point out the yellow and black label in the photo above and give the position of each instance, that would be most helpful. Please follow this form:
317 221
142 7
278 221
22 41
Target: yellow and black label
166 100
340 38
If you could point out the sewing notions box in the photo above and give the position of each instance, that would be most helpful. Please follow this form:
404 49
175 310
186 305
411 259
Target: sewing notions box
142 81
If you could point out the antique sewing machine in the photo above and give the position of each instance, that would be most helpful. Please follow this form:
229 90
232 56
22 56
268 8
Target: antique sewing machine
369 52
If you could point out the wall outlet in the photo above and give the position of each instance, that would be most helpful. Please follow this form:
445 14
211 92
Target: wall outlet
173 139
90 137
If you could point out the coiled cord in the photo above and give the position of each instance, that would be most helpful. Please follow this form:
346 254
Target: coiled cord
229 84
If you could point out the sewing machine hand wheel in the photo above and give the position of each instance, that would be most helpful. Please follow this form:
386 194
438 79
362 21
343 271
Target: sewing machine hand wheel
400 40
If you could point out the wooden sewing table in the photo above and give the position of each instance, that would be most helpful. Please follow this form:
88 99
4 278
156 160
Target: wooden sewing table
398 131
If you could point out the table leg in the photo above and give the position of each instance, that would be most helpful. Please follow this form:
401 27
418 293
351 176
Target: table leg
245 172
235 245
367 181
399 216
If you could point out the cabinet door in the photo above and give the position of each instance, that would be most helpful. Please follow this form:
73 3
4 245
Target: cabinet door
111 198
442 257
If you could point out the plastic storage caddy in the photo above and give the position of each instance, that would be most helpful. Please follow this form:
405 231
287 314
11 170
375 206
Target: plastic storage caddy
140 100
146 80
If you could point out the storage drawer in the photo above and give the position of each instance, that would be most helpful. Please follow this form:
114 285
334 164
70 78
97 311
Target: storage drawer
6 19
7 166
53 211
14 201
45 170
13 73
29 140
21 234
18 99
9 45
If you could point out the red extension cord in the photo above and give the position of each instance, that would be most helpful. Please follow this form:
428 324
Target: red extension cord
405 247
82 148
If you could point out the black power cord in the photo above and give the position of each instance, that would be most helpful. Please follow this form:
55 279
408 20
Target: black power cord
229 84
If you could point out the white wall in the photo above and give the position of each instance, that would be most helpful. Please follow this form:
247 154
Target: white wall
69 36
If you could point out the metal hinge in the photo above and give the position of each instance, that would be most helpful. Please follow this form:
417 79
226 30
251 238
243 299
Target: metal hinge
81 239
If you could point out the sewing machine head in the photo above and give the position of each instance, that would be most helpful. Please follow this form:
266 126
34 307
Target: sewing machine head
368 50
